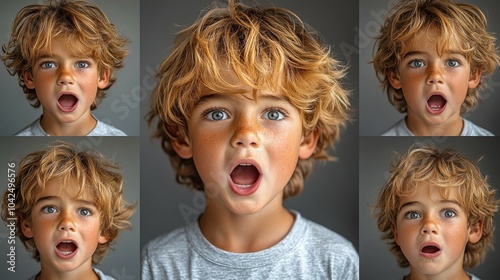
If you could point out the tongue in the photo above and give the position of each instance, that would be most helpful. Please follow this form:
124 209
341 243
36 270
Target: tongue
67 100
245 175
66 247
436 102
430 249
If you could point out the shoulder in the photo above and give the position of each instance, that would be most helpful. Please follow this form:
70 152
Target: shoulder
166 244
33 129
470 129
398 129
328 240
473 277
330 250
101 275
103 129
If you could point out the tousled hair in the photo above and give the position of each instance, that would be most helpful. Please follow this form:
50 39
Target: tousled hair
80 24
265 48
94 176
455 22
446 170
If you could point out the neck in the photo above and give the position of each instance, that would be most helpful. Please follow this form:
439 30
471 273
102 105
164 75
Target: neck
450 128
450 274
80 127
245 233
80 273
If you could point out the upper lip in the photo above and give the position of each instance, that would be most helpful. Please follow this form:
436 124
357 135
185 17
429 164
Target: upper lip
243 162
66 240
66 93
436 93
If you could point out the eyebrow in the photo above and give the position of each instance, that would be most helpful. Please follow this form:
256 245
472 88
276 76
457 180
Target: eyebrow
410 203
54 197
410 53
218 96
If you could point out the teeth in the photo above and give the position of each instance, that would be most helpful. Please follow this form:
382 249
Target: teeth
245 164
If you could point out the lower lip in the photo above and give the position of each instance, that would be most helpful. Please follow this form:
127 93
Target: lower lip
434 111
244 191
430 255
66 256
67 109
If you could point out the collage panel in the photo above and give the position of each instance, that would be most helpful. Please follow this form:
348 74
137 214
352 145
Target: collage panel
330 193
64 222
119 108
377 115
397 162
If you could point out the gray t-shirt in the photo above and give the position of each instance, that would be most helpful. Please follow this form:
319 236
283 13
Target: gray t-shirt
99 273
101 129
309 251
469 129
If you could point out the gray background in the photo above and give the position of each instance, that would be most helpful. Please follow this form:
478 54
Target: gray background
376 154
376 113
120 107
330 196
122 261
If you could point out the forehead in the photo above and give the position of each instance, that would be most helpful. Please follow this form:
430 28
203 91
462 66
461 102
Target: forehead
65 188
431 39
63 43
430 193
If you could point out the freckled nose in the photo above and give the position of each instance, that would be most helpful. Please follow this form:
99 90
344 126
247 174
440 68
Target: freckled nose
429 227
66 223
65 76
435 74
246 133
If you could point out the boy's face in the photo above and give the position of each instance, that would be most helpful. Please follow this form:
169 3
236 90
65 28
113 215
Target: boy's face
245 150
65 84
432 231
65 228
434 86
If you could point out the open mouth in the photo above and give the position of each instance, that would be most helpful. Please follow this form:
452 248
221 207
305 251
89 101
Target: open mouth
430 251
67 102
244 179
436 104
66 249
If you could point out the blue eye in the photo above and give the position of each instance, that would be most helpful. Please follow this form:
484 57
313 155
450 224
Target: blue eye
412 215
47 65
416 63
216 115
49 209
274 115
85 212
449 213
453 63
82 64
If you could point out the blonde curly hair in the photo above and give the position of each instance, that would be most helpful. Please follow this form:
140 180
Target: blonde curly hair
447 170
95 175
454 21
265 48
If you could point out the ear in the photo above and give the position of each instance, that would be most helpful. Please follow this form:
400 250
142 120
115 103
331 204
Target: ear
308 144
103 80
28 79
476 231
475 78
102 238
394 79
26 228
181 143
395 233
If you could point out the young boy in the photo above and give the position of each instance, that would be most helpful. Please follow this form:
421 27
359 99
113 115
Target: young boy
69 209
432 58
65 54
244 103
436 213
